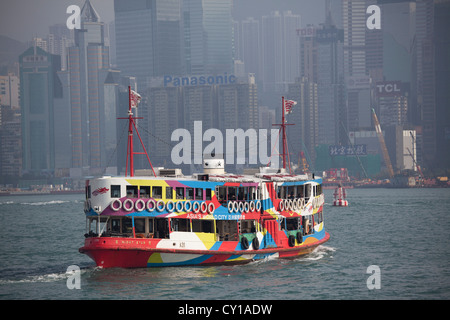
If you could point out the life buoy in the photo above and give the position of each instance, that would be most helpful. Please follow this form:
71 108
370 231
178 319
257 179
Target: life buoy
204 207
230 206
235 206
252 206
196 207
160 205
246 207
179 206
255 243
112 205
258 205
140 207
296 204
130 207
172 206
244 243
291 240
211 208
281 206
187 206
299 237
241 207
152 203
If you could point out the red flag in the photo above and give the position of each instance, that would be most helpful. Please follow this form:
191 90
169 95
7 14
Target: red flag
135 99
288 105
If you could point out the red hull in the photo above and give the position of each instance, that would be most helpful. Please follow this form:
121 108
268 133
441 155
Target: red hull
135 253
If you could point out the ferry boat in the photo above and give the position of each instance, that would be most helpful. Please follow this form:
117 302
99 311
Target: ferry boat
339 197
208 218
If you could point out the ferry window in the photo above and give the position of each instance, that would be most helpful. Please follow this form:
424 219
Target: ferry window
208 194
157 192
241 193
115 191
181 225
307 191
190 193
252 193
139 225
127 225
88 192
247 226
281 192
180 193
198 194
292 224
132 191
291 192
150 225
144 192
232 193
203 226
169 193
300 191
222 193
115 225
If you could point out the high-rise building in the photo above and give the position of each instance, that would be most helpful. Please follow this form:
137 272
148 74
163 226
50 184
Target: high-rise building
38 70
208 33
280 50
148 38
10 142
304 134
424 84
93 94
442 45
363 49
251 47
9 91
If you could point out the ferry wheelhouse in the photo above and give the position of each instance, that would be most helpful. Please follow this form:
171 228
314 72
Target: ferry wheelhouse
208 218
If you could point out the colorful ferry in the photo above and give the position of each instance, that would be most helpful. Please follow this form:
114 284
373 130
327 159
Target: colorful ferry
208 218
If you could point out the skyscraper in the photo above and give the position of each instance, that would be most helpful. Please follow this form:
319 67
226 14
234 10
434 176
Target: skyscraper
92 93
208 32
148 38
280 50
38 82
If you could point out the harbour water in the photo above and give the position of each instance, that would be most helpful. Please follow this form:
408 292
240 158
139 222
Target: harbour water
403 232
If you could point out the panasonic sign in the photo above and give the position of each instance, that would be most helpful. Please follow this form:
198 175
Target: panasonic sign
199 80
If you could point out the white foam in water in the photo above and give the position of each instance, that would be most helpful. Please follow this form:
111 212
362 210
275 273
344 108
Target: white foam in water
319 253
45 202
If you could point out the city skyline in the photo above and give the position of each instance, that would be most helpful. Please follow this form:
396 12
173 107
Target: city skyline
336 66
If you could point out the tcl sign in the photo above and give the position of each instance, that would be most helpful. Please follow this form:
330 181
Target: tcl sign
391 88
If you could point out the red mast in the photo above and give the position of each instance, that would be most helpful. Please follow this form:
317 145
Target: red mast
131 124
283 130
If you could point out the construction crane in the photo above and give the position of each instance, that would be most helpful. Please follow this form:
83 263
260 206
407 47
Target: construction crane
387 160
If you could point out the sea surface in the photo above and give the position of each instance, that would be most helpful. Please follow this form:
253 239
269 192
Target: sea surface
402 234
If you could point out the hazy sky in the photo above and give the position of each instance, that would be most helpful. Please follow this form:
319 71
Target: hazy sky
23 19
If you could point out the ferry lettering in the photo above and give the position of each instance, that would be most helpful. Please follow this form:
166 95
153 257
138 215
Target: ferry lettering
206 311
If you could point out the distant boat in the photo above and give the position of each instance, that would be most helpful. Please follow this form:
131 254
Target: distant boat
339 197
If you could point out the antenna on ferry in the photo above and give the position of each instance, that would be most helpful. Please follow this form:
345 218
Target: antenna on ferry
286 108
133 100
